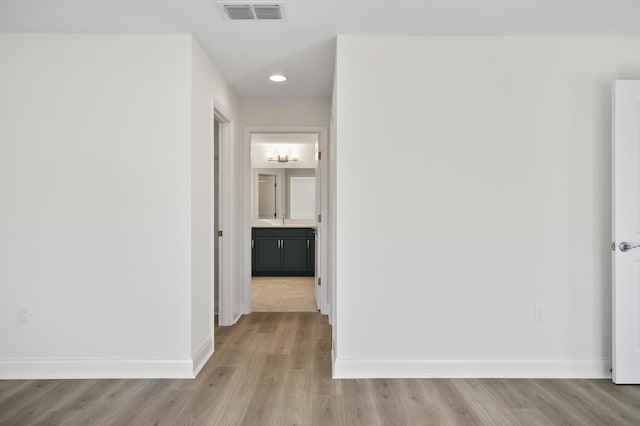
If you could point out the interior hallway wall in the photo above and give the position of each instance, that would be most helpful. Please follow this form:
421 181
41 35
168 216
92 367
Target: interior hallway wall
209 92
285 113
473 182
99 211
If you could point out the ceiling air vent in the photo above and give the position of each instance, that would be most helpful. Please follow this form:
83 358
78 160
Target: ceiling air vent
268 11
239 11
252 10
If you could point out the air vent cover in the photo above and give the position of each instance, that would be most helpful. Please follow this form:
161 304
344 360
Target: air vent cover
252 10
268 11
239 11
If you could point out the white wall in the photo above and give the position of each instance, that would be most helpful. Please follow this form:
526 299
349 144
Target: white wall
302 197
332 213
285 113
96 209
496 199
306 156
310 203
208 91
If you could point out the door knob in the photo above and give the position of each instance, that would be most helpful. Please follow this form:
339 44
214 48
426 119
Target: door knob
626 246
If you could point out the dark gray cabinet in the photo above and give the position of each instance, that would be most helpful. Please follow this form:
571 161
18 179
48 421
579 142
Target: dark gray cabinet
283 252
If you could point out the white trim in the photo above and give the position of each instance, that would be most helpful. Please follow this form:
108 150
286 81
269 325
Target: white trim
215 245
240 313
220 111
472 368
225 288
245 244
36 369
202 356
322 270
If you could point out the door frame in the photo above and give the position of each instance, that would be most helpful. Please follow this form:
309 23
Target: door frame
225 289
248 188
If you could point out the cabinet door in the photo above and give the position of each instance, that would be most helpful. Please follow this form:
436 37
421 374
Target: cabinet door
266 255
294 254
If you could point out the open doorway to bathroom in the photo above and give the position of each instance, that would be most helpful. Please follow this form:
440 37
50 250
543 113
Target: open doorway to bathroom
285 189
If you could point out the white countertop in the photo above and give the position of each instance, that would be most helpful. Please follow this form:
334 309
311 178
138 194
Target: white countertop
288 223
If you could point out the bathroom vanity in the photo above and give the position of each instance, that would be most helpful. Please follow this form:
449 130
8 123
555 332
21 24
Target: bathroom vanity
282 251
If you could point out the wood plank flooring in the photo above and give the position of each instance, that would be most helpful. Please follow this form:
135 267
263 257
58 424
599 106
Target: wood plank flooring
275 369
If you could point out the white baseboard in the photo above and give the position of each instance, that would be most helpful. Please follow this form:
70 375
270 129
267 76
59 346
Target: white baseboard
235 320
202 356
34 369
333 364
471 368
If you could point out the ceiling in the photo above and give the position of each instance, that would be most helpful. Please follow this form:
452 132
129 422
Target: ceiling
303 45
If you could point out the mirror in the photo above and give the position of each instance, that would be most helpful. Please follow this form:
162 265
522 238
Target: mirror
267 196
302 197
283 178
284 194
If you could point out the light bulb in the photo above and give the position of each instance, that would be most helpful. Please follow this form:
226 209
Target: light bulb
278 78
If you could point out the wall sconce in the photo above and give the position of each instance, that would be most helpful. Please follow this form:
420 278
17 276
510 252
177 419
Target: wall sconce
282 157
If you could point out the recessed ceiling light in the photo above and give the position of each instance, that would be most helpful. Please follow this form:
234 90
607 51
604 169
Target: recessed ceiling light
278 78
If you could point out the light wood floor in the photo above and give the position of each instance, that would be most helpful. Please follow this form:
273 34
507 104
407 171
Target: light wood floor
283 294
275 369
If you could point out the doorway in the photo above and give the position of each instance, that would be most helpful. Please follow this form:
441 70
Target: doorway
221 292
284 187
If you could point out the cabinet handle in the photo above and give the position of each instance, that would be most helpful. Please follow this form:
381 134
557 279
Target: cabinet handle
253 243
281 243
307 244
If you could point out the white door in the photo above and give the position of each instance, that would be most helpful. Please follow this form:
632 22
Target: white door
626 231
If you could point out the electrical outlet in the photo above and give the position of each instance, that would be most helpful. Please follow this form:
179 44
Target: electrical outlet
538 313
23 314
